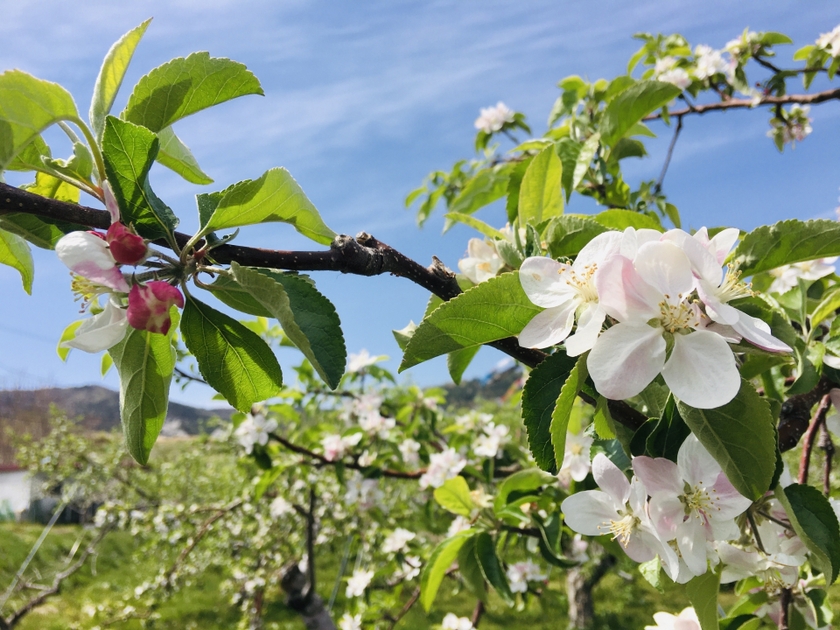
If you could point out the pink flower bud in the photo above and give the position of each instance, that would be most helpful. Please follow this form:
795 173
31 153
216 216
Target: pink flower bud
148 305
110 202
126 247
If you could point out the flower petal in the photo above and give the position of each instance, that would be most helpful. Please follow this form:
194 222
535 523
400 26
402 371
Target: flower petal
550 327
666 267
701 370
589 512
610 479
101 331
590 322
658 474
625 359
622 292
757 332
542 281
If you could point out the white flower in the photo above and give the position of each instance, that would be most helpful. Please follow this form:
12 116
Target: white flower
472 420
254 430
358 362
102 331
280 507
494 118
364 492
336 446
830 42
458 525
358 582
520 573
350 622
576 456
366 459
409 450
453 622
397 540
676 76
709 62
410 569
442 466
686 620
87 255
482 261
491 442
786 277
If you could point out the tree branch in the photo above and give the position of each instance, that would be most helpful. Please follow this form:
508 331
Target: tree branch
795 416
808 444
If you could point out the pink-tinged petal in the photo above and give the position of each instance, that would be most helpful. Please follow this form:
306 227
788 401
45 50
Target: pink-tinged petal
691 540
111 277
715 309
641 546
550 327
589 326
149 304
101 331
667 512
622 292
658 474
610 479
625 359
666 267
758 333
87 254
598 249
543 282
589 513
704 265
728 502
722 242
701 370
126 247
111 202
695 463
633 239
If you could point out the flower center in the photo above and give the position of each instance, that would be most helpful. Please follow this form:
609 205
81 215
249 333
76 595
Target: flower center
696 499
623 528
677 316
732 288
86 291
582 281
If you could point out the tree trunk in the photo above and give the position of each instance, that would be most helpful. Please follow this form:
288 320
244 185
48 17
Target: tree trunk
579 586
305 602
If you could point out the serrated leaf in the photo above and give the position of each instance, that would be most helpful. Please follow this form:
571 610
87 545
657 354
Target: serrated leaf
492 310
38 231
307 317
539 398
568 234
584 159
568 151
632 105
439 562
563 409
15 253
457 362
492 569
111 76
476 224
50 186
145 362
540 196
521 481
454 496
618 219
702 591
30 156
27 107
470 569
483 189
626 148
785 243
177 156
816 524
740 436
184 86
275 196
233 360
129 151
403 335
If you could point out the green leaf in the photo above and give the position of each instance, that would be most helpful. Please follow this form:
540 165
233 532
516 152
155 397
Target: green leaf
129 151
439 562
483 189
740 436
66 335
584 159
145 362
52 187
521 481
626 148
233 360
702 591
177 156
653 574
568 150
111 76
30 157
826 308
476 224
470 570
568 234
563 409
275 196
539 398
27 107
492 310
632 105
618 219
76 171
38 231
492 569
454 496
457 362
785 243
15 253
540 196
185 86
311 324
816 524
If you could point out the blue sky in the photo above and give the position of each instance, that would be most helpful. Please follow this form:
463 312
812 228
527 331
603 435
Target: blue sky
364 99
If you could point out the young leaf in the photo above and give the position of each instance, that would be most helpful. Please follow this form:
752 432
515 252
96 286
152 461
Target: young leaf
275 196
563 409
540 196
145 362
177 156
786 242
476 224
233 360
492 310
521 481
568 151
702 591
48 185
457 362
568 234
825 308
27 107
129 151
470 570
492 569
815 522
483 189
40 232
740 436
439 562
307 317
619 219
111 76
454 496
539 398
15 253
584 158
632 105
185 86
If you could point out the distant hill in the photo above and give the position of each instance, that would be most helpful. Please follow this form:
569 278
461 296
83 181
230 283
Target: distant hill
492 387
27 411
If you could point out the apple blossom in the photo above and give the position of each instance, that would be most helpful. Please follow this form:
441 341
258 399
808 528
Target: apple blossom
280 507
492 119
786 277
365 493
442 466
335 446
362 360
149 304
520 573
105 329
686 620
409 450
709 62
87 255
830 42
490 443
410 568
397 540
458 525
482 261
126 247
576 456
676 76
453 622
358 582
350 622
254 430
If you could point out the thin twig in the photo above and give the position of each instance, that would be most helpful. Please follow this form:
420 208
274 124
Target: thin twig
478 613
658 186
404 610
827 446
808 443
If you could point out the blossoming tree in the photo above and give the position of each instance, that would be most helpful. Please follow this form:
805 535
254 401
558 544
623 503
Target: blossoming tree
698 381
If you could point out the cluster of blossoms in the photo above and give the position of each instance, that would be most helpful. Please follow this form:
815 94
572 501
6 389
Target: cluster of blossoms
707 63
520 573
830 42
358 582
96 260
492 440
787 277
453 622
686 620
790 126
685 514
254 430
442 466
336 446
576 461
492 119
665 300
364 411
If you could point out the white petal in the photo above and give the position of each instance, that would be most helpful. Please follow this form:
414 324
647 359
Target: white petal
622 292
625 359
589 512
722 242
667 512
598 249
589 326
703 262
701 370
696 465
757 332
550 327
101 331
658 474
691 540
542 281
666 267
633 239
610 479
